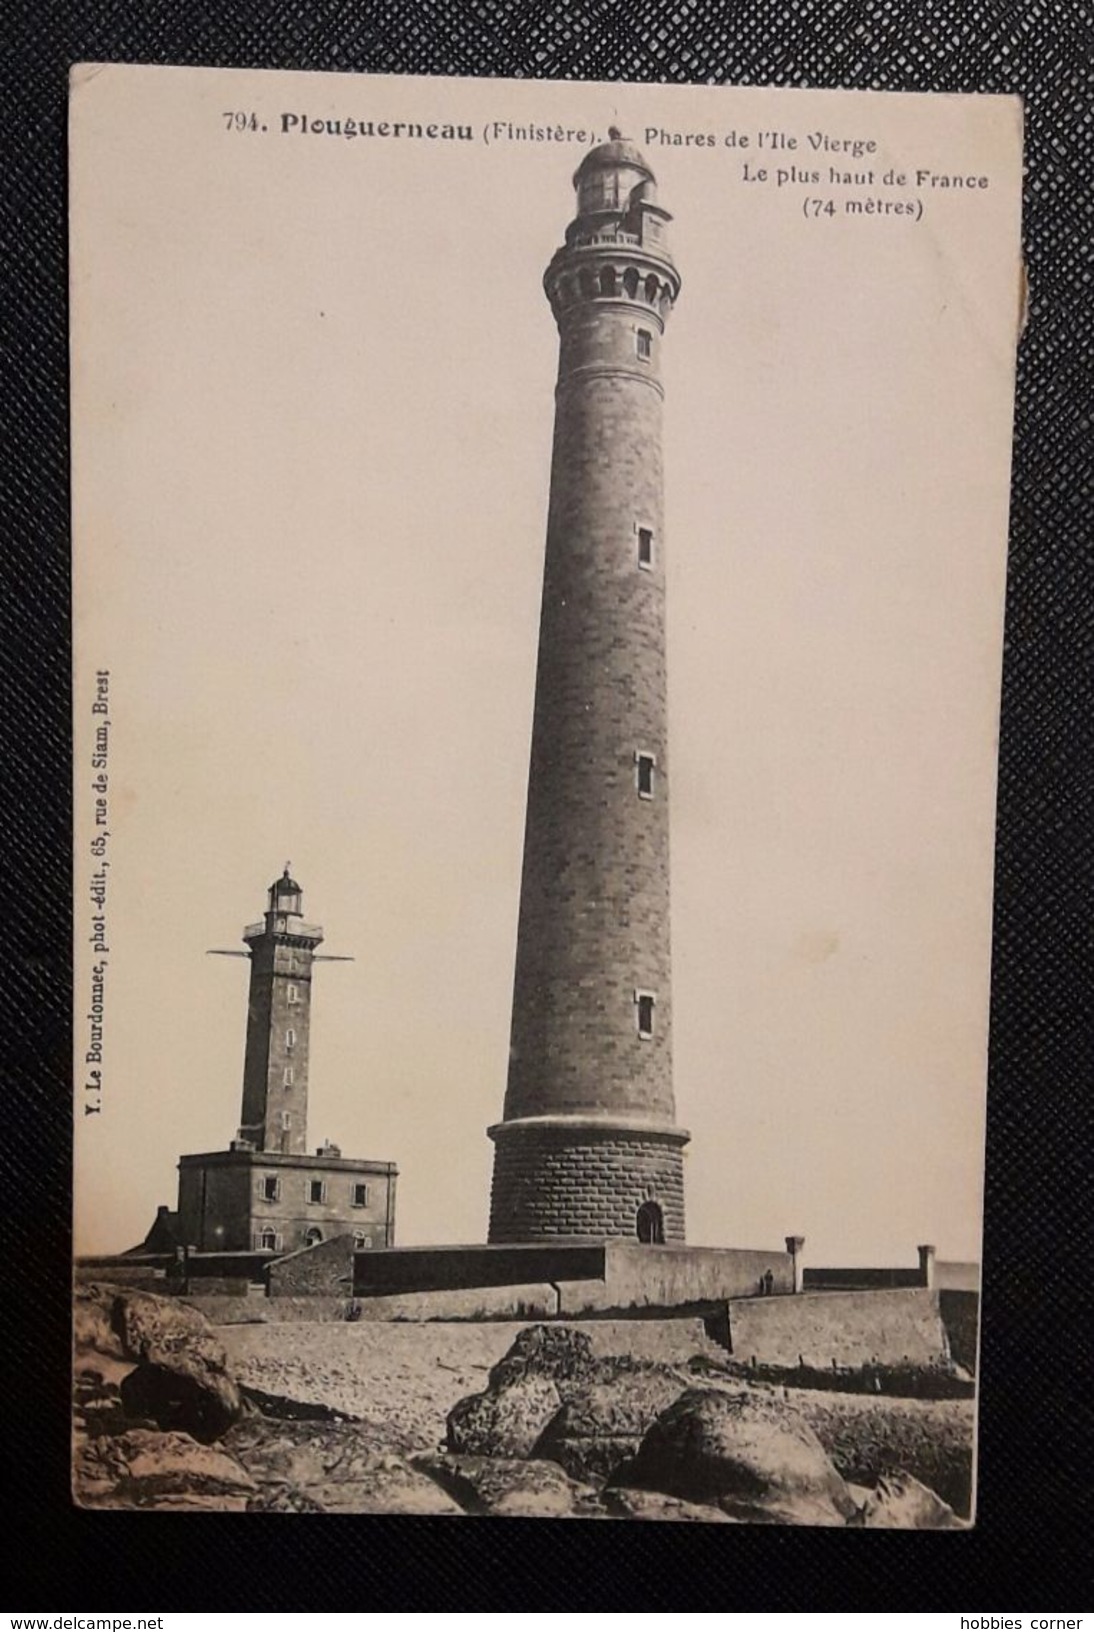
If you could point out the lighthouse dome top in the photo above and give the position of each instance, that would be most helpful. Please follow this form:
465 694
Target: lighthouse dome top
285 895
608 174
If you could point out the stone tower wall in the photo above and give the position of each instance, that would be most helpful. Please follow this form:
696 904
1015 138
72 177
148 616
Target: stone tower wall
594 916
552 1182
279 969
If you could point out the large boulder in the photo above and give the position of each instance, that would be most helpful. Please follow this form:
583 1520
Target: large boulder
603 1421
155 1328
900 1502
333 1467
653 1505
559 1352
546 1369
97 1404
144 1468
283 1499
163 1357
186 1395
747 1453
510 1488
871 1437
503 1421
93 1329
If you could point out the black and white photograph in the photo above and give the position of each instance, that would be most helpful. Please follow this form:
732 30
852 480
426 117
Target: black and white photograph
539 566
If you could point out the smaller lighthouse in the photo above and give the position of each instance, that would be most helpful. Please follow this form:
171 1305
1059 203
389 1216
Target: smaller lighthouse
266 1193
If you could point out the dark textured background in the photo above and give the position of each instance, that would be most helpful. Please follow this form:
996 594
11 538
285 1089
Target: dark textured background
1027 1552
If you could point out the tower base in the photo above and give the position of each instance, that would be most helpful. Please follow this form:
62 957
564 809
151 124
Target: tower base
565 1176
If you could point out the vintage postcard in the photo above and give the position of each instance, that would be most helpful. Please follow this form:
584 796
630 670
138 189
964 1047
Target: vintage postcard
465 476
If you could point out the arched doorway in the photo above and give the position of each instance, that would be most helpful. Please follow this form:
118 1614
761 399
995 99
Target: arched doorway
650 1225
313 1237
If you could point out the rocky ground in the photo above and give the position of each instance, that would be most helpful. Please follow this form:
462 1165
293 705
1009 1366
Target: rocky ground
495 1419
404 1378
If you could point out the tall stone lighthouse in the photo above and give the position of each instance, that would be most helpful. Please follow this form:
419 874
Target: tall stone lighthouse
588 1145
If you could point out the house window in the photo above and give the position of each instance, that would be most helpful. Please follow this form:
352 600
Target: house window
360 1195
643 341
317 1190
312 1237
287 1076
645 548
360 1240
267 1241
290 1038
643 1003
292 994
271 1189
643 774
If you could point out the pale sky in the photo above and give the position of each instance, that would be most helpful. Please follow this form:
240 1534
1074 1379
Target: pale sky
313 385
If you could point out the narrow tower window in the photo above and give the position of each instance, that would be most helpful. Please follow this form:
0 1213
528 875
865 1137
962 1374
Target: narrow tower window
290 1038
292 995
645 548
288 1076
644 344
643 1003
643 773
286 1120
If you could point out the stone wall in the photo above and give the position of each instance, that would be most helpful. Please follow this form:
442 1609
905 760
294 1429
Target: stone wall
669 1277
961 1317
860 1280
839 1328
143 1274
534 1301
165 1272
568 1278
257 1310
220 1286
434 1269
242 1266
324 1269
953 1276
